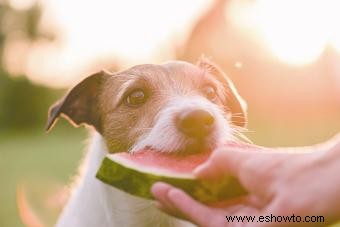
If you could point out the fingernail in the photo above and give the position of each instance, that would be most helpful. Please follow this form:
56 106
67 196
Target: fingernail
159 186
175 195
201 169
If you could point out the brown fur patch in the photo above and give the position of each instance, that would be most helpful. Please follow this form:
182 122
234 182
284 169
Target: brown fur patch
122 125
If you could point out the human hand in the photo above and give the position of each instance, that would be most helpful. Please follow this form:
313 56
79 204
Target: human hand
279 183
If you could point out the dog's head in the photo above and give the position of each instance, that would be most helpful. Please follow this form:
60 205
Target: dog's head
175 106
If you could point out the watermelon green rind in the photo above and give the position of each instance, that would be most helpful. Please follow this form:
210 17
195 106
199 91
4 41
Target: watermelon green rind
138 183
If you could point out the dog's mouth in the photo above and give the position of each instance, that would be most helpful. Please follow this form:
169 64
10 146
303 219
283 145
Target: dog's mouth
198 146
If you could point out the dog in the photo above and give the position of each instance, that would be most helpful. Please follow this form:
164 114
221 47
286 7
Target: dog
172 107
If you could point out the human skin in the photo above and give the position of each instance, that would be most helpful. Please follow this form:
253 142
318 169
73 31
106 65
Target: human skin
281 181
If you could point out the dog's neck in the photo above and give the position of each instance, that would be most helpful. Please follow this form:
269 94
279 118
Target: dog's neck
93 203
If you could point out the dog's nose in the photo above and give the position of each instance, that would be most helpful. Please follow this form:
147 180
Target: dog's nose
195 123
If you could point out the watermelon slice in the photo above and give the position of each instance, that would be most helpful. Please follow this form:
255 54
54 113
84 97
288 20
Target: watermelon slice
136 173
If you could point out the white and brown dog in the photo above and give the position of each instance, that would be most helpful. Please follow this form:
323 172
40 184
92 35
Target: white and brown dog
172 107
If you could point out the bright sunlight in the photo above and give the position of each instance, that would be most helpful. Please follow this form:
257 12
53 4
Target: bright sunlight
297 32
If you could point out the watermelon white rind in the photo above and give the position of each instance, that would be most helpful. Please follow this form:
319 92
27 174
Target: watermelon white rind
137 181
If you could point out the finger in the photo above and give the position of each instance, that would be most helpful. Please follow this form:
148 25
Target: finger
160 191
209 170
194 211
226 159
254 168
170 210
248 200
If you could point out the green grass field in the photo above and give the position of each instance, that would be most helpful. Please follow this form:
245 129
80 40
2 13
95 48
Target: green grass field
34 159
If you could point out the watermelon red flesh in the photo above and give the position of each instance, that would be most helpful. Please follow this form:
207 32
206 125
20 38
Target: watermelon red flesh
162 163
136 173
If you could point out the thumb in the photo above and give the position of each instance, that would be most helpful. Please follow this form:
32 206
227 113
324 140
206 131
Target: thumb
228 160
254 167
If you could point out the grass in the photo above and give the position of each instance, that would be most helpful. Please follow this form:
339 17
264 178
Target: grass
35 158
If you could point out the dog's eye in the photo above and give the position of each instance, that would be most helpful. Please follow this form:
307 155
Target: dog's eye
136 98
209 92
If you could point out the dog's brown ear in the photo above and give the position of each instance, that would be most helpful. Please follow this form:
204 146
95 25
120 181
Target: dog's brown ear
234 102
80 104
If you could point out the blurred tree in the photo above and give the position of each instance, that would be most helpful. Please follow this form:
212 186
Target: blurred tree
22 104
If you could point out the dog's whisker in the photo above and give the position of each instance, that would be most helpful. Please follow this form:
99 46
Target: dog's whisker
241 129
239 134
236 116
237 113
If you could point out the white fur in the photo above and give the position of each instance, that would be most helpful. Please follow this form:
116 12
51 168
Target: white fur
165 137
95 204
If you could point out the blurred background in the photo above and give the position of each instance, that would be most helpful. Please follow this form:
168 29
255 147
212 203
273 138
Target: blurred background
283 56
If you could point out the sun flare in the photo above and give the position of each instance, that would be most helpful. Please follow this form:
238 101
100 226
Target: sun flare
296 32
93 34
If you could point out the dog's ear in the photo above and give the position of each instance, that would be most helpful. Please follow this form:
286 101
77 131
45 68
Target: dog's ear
80 104
234 102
